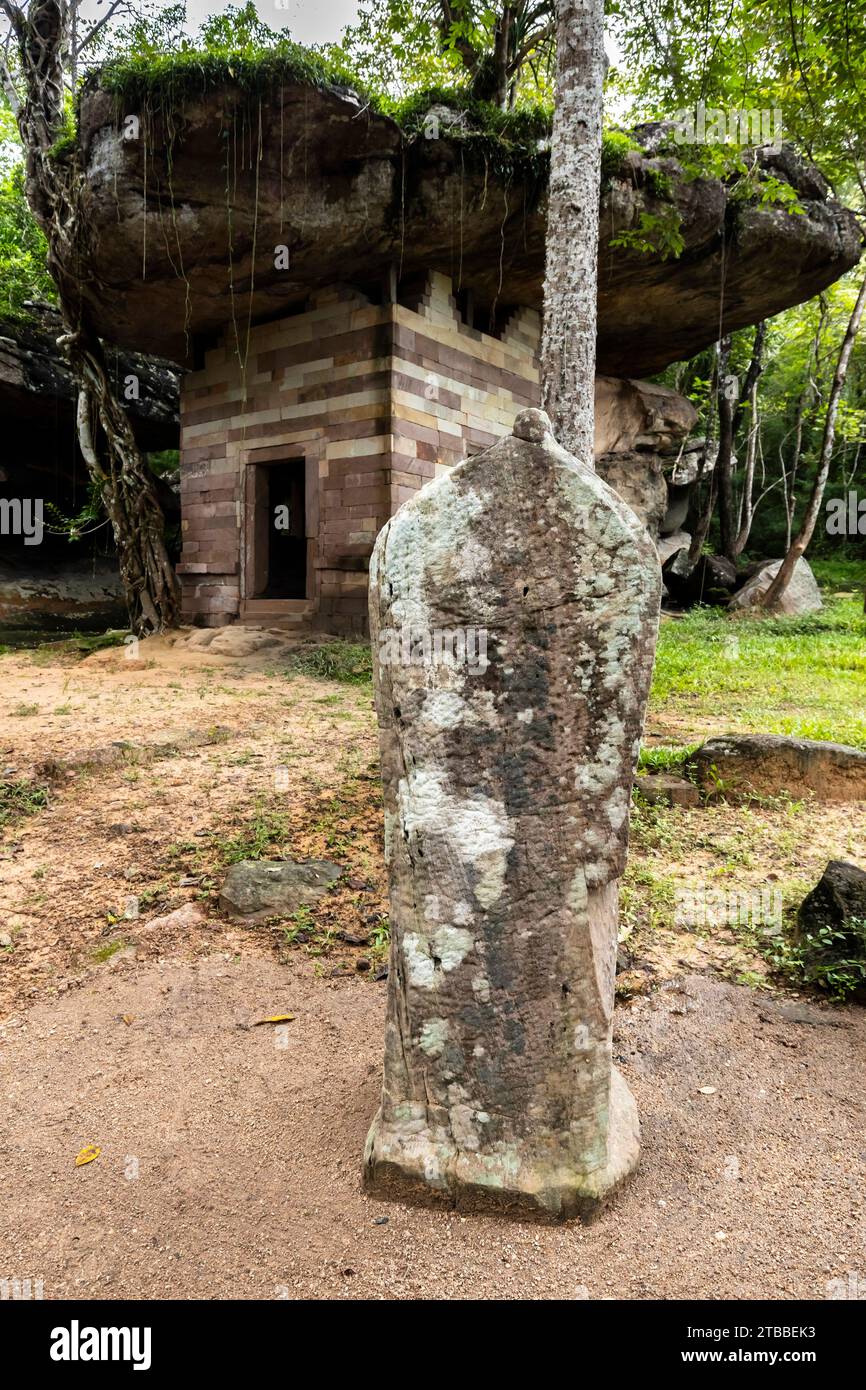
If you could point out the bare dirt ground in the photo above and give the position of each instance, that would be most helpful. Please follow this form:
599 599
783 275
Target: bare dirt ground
230 1153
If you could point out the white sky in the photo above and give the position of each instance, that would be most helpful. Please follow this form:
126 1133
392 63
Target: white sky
309 21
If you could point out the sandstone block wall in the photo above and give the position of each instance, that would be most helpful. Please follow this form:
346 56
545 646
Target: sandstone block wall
380 397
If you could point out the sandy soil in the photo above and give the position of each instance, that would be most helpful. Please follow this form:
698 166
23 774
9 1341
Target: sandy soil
202 739
230 1153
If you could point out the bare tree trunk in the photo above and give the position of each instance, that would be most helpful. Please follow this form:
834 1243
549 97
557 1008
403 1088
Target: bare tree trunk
698 519
747 510
804 535
571 278
724 468
107 442
750 394
790 477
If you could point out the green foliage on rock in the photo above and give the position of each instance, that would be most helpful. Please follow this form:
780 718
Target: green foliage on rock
157 62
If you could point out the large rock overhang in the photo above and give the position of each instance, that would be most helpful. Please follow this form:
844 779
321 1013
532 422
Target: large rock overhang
185 219
38 392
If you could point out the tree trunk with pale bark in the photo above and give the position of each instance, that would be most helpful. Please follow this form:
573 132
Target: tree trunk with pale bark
571 278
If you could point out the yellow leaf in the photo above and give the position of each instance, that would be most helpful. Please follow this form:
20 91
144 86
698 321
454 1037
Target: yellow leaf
274 1018
128 1019
87 1155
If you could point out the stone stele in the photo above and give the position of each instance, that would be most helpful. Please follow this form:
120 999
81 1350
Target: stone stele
507 774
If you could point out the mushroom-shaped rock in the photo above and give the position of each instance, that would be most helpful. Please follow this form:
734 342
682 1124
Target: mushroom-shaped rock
318 179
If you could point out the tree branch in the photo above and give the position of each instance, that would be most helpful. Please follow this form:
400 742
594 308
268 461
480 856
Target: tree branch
88 38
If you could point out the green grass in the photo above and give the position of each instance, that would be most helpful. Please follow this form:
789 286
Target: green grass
839 572
265 830
348 662
19 799
104 953
802 676
666 757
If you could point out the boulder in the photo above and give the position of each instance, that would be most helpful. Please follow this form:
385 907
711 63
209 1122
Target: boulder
639 415
636 424
677 511
79 595
340 184
258 888
34 372
686 468
710 581
240 641
770 764
182 919
801 596
638 479
669 545
838 897
664 787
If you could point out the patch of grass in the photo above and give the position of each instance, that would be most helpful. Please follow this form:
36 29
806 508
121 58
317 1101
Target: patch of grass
111 948
840 572
380 937
156 893
521 127
300 927
802 676
336 820
265 829
148 73
217 733
656 827
750 979
19 799
348 662
647 900
666 758
24 711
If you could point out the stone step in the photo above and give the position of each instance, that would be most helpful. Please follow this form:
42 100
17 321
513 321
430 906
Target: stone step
293 614
276 606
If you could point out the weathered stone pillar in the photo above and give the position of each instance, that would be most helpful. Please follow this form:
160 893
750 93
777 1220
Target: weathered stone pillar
507 773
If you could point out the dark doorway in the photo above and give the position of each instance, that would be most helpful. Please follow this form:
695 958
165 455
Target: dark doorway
281 533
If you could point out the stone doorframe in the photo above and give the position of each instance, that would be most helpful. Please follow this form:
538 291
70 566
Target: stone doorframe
311 451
